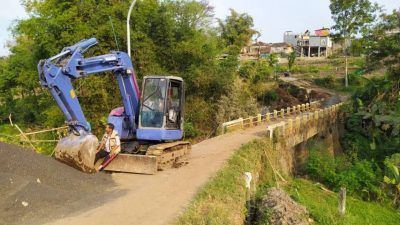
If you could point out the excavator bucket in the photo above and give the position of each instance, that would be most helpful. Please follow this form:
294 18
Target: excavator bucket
78 151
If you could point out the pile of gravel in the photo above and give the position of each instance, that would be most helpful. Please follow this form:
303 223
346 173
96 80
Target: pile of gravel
36 188
283 210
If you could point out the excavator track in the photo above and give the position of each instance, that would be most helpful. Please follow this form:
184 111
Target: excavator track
170 155
158 157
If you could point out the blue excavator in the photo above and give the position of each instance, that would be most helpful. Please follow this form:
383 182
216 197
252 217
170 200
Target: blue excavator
150 123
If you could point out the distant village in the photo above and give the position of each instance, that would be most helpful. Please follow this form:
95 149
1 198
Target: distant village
317 44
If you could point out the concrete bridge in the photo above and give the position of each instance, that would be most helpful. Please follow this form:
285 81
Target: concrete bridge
290 129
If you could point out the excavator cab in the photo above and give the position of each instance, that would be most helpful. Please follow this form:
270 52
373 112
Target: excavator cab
161 109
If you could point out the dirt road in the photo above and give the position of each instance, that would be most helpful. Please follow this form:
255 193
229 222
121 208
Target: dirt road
158 199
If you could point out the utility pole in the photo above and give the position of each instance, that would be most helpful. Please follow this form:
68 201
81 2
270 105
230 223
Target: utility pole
346 76
128 28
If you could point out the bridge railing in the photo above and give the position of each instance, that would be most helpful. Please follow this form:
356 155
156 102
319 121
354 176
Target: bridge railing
309 122
276 115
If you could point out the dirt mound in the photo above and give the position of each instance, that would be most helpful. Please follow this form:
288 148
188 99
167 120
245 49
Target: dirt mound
36 188
285 99
283 210
318 95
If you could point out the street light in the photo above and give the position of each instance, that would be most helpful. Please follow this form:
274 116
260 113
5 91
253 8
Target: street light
128 27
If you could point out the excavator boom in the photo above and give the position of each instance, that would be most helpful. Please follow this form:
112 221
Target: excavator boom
78 149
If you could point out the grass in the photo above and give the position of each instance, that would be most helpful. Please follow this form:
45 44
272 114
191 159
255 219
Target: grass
223 199
322 206
8 134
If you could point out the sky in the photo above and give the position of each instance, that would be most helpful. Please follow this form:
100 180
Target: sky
271 17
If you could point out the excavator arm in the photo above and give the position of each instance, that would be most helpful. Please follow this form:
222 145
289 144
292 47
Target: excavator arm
56 74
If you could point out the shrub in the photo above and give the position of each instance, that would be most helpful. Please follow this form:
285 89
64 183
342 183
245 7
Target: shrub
328 81
190 131
361 178
392 177
269 97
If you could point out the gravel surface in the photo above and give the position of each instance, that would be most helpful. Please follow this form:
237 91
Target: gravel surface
35 188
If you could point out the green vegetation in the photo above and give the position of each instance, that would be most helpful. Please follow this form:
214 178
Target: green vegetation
322 206
361 178
392 179
291 60
373 122
168 37
356 82
223 199
7 133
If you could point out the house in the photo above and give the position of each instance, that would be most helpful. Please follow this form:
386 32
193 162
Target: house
260 50
306 44
255 51
283 49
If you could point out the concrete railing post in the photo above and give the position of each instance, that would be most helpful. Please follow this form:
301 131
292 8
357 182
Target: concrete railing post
282 113
298 124
275 114
258 119
311 119
288 111
281 130
290 126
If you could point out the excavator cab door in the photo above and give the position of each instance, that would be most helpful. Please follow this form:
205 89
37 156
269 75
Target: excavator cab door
174 110
161 109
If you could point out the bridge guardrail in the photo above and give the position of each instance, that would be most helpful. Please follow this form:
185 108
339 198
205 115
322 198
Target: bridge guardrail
316 120
243 123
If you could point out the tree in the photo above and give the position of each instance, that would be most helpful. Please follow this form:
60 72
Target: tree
168 37
382 43
291 60
352 17
236 29
273 61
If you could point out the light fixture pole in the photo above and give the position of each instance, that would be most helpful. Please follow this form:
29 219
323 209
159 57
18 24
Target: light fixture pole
128 27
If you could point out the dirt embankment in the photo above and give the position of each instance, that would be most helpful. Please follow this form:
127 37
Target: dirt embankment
292 94
283 210
35 188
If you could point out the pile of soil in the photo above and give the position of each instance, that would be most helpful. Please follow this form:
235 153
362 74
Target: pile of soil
285 99
36 188
283 210
318 95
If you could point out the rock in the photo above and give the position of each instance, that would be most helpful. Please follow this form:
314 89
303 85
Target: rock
38 180
25 204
